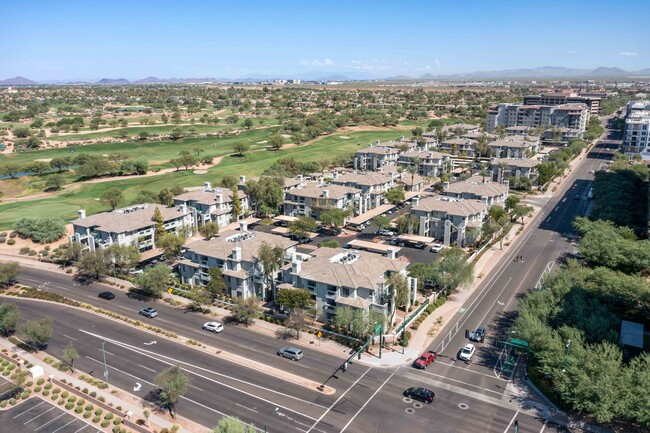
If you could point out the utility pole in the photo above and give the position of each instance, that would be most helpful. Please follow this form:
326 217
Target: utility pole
566 355
105 368
269 417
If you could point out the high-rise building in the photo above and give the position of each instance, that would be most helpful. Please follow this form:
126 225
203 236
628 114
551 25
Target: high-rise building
591 101
573 116
636 139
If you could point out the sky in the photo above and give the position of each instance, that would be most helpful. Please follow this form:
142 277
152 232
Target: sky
93 39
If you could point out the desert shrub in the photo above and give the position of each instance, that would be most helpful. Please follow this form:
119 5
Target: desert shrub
11 242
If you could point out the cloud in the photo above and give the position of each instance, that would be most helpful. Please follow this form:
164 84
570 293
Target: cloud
370 65
627 53
324 62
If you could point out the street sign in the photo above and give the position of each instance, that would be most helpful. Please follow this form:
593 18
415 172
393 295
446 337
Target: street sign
170 290
319 335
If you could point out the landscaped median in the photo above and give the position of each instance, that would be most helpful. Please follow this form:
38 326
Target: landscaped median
45 296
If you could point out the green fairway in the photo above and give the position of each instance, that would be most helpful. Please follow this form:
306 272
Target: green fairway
252 164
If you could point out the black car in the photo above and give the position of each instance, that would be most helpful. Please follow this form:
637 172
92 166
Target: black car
329 231
423 394
106 295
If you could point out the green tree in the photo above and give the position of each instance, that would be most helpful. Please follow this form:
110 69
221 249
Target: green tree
296 321
171 244
381 222
153 281
209 230
266 193
522 211
54 183
60 163
70 352
417 131
217 284
123 257
112 197
271 258
276 141
41 229
11 169
8 273
302 226
511 202
37 333
69 253
248 123
241 148
246 310
332 243
236 205
9 316
229 182
200 296
173 383
93 264
334 217
395 195
295 298
160 222
399 287
198 150
229 424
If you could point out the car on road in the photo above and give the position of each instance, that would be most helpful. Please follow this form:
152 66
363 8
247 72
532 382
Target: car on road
467 352
291 353
436 247
106 295
215 327
478 335
149 312
425 359
425 395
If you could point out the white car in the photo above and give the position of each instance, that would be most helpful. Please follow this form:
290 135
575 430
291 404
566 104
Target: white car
467 352
384 232
213 327
436 247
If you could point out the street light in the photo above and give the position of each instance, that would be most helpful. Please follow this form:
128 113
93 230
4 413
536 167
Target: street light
269 417
566 355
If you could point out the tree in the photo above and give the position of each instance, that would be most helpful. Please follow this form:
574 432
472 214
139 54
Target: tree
69 352
241 148
171 244
187 160
417 131
209 230
248 123
400 289
69 253
160 222
267 193
236 205
271 258
54 183
173 383
296 321
276 140
407 223
200 296
229 424
8 273
37 333
41 229
123 257
511 202
294 298
395 195
229 182
60 163
302 226
11 169
153 281
93 264
112 197
452 270
176 134
246 310
334 217
332 243
522 211
381 222
198 150
217 284
9 316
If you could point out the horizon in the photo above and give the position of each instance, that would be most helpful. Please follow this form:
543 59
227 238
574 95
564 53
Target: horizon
71 40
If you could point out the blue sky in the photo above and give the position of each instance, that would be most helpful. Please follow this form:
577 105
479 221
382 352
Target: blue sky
92 39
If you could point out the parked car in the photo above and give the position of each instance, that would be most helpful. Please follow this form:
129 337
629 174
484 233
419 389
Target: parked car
467 352
425 359
419 245
215 327
436 247
291 353
329 231
478 335
149 312
397 242
385 232
106 295
425 395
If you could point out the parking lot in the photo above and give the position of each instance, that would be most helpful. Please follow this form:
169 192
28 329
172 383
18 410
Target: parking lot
37 415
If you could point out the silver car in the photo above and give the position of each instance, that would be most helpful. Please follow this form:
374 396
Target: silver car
291 353
215 327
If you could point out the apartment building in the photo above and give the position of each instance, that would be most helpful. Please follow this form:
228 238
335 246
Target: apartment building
515 147
372 186
235 252
505 168
459 146
314 197
573 116
132 225
375 157
213 204
338 277
560 98
452 220
431 164
636 139
477 188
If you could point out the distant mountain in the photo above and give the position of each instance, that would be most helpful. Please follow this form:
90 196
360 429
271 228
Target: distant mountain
642 72
608 72
18 81
113 81
150 80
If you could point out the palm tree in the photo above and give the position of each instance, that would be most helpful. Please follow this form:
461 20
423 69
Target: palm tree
414 168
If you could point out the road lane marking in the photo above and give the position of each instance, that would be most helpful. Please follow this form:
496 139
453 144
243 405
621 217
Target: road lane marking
71 338
73 420
147 368
511 421
543 427
245 407
464 383
368 401
33 407
452 364
106 352
196 387
52 408
338 399
51 421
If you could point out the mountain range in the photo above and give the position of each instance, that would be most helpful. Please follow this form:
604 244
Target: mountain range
544 72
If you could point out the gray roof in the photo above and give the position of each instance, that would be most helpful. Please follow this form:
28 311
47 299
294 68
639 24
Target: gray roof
363 178
462 208
130 218
314 190
209 197
221 248
476 186
510 143
524 163
422 154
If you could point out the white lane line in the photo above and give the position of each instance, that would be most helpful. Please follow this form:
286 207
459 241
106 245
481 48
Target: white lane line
106 352
452 364
73 420
464 383
247 408
196 387
52 408
368 401
162 358
33 407
71 338
511 421
338 399
81 429
543 427
147 368
51 421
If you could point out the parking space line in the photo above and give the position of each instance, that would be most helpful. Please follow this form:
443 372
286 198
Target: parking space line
33 407
83 427
39 415
51 421
73 420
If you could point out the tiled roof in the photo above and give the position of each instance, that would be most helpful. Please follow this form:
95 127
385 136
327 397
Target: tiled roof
221 248
314 190
462 208
209 197
364 178
128 219
477 187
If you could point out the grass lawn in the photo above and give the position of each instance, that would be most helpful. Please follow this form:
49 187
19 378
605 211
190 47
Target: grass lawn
252 164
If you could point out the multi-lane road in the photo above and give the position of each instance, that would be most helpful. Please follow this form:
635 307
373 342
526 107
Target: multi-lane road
470 397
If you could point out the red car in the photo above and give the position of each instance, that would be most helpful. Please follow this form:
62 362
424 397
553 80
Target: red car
425 359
